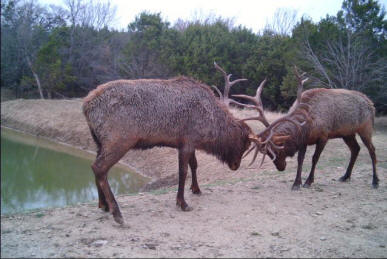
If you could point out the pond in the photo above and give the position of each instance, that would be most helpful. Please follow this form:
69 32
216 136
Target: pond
37 173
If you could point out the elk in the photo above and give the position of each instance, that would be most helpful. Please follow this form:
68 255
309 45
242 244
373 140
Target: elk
315 117
181 113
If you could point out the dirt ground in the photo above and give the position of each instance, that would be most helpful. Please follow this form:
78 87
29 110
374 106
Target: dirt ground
247 213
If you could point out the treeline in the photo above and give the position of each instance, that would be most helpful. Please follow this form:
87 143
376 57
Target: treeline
65 51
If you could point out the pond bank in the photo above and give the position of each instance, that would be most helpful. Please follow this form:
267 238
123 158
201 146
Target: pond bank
62 121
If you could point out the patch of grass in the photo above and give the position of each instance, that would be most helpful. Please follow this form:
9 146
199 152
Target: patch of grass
39 215
162 191
254 233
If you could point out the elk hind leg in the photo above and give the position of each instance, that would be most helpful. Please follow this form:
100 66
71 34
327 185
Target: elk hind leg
355 148
101 197
366 137
109 155
185 153
194 165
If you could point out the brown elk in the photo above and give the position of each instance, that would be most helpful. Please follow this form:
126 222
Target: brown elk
315 117
180 113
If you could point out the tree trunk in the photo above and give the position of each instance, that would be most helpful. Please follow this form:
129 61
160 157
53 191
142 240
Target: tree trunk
36 77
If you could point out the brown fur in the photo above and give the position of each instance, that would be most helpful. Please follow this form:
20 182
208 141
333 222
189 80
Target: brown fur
327 113
180 113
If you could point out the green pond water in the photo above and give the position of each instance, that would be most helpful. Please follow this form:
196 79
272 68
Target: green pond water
37 173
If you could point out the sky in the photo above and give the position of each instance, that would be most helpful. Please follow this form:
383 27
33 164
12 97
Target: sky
252 14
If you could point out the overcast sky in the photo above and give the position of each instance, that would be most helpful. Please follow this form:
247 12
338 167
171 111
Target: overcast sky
253 14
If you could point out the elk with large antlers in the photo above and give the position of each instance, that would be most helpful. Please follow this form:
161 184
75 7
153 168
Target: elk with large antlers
315 117
180 113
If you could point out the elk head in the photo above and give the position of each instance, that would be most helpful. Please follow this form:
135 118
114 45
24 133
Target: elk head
277 146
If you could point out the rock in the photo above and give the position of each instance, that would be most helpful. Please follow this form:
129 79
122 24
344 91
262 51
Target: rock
99 243
323 238
149 246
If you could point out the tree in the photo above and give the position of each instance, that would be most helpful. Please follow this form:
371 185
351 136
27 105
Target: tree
347 51
56 73
148 50
27 24
282 22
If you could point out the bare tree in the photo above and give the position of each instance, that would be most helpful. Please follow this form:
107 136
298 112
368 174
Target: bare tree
85 18
349 62
31 23
90 14
282 21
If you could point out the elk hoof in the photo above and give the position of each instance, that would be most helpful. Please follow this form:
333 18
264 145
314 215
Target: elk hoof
104 207
196 191
188 208
306 185
344 178
119 220
184 206
375 185
295 187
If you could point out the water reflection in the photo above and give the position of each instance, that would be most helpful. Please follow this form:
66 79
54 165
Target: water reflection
36 175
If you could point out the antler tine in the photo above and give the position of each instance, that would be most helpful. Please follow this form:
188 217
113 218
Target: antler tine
220 69
259 90
247 97
227 82
257 104
218 91
255 156
251 149
300 83
272 152
237 81
263 159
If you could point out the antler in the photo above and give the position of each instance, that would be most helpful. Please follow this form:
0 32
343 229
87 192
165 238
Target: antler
268 146
300 83
257 104
227 85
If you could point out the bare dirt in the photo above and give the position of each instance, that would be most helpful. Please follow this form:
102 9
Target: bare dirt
247 213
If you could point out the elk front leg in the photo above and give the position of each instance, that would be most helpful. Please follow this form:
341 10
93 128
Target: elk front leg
319 148
194 165
185 153
300 160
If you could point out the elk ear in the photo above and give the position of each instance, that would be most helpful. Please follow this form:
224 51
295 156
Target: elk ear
280 140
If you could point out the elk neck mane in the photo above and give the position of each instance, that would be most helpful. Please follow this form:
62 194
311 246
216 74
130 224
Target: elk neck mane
228 138
298 135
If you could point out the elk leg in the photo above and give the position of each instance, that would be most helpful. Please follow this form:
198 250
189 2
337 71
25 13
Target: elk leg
319 148
185 154
355 148
105 160
371 149
101 197
194 165
102 204
300 160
